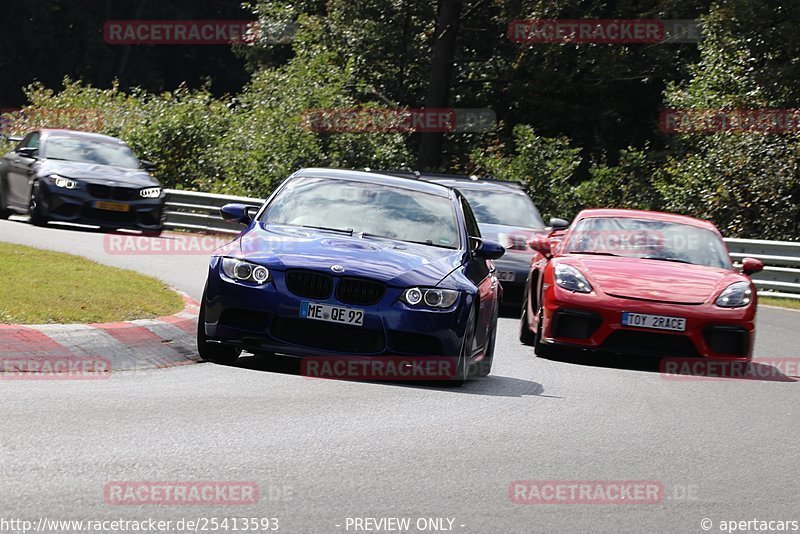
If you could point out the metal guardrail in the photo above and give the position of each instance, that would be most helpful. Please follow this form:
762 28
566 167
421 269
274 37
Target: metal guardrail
781 274
199 212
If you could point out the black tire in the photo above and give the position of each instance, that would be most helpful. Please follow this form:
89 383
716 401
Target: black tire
525 335
153 233
484 367
35 208
4 213
463 365
213 352
542 349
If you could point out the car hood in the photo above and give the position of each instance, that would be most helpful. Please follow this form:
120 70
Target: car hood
396 263
93 172
653 280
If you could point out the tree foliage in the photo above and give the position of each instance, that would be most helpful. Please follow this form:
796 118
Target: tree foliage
578 123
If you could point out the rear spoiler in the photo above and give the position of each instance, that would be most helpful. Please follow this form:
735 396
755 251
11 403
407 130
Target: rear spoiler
11 138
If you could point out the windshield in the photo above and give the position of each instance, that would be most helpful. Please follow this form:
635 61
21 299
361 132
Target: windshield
511 208
365 208
649 239
90 151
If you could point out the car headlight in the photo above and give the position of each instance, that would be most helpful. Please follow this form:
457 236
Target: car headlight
571 279
150 192
735 295
432 298
244 271
60 181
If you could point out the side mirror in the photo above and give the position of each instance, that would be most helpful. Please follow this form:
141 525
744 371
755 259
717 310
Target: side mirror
237 213
28 152
752 266
490 250
541 244
558 224
149 166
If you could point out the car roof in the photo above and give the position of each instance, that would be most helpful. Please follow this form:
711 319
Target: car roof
468 184
460 181
644 214
78 133
378 178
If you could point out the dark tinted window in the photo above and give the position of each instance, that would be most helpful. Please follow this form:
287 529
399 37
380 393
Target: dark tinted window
31 141
506 208
472 225
88 150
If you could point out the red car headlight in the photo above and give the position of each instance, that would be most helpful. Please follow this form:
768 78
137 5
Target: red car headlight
735 295
571 279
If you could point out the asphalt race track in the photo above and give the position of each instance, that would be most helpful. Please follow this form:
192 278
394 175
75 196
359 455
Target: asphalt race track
323 451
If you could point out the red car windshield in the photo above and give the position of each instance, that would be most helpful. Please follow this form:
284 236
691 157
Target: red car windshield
647 239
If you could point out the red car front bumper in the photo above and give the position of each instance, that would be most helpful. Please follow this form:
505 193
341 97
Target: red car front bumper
594 321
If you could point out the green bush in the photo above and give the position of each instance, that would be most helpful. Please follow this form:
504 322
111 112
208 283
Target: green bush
243 145
628 185
543 165
746 183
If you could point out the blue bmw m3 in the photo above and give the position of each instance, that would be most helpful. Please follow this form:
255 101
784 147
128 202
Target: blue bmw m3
348 264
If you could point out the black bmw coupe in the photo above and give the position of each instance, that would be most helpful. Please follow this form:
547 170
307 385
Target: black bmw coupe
79 177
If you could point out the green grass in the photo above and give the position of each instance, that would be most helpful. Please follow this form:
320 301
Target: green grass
783 303
38 287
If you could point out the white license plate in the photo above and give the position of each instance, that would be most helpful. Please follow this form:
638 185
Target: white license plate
506 276
331 314
659 322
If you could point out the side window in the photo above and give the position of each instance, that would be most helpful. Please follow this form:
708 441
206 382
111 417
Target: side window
471 223
23 143
33 140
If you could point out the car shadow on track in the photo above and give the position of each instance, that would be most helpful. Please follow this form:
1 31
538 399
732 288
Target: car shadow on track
510 312
683 369
491 386
82 228
75 227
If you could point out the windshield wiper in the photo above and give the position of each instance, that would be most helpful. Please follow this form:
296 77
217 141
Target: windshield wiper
593 253
427 242
676 260
347 231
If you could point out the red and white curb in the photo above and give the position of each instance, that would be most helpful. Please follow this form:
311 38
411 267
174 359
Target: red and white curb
126 346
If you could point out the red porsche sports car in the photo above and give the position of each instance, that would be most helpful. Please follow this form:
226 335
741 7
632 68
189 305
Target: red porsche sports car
639 282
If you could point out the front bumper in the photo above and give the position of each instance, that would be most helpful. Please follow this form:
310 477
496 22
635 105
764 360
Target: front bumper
79 206
267 319
593 321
